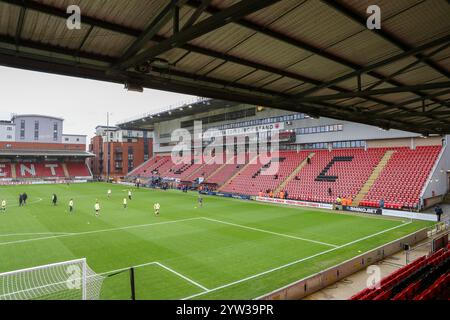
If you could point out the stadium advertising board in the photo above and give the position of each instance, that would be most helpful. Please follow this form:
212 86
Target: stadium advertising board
410 215
296 203
363 209
227 195
23 182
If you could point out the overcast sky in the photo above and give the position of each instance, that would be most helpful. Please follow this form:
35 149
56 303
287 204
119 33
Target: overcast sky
82 103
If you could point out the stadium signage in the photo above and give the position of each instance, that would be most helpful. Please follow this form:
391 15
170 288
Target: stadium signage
410 215
296 203
24 182
244 130
363 210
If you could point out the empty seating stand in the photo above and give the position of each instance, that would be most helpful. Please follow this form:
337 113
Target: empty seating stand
265 174
343 171
402 180
37 170
78 169
425 278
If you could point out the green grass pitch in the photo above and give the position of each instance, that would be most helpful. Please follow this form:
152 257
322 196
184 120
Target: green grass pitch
229 249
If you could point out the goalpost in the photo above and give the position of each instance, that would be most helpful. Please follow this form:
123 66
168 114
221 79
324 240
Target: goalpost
67 280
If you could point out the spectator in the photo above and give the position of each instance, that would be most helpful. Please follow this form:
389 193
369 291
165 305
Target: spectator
285 194
329 191
308 160
439 212
381 204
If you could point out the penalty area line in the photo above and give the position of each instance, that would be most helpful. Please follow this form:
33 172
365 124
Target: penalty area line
182 276
295 262
271 232
159 264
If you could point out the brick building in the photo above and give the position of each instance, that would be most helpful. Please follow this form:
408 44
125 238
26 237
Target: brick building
127 149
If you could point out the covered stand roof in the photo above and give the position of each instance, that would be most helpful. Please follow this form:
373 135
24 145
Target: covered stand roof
44 153
316 57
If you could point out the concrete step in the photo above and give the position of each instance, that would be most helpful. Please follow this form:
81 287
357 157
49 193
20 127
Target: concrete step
373 177
293 173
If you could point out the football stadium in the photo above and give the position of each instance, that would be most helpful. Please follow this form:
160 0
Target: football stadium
312 161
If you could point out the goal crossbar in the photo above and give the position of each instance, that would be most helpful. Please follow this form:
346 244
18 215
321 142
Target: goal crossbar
66 280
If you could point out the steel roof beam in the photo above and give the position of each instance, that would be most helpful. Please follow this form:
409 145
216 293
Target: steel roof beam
157 23
392 39
218 20
443 40
196 14
300 44
366 93
56 49
135 33
428 97
20 26
296 43
176 85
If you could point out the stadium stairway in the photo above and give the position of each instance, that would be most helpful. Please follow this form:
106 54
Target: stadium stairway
204 168
237 173
403 178
293 174
219 169
137 170
193 173
373 177
66 172
13 172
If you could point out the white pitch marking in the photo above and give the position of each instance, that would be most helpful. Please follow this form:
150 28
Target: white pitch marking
34 234
182 276
271 232
97 231
161 266
293 262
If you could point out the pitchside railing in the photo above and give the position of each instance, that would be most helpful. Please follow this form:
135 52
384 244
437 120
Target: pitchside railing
438 236
68 280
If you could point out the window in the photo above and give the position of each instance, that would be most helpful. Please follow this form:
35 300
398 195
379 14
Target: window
66 139
9 128
55 131
9 137
36 130
130 165
22 129
130 153
164 135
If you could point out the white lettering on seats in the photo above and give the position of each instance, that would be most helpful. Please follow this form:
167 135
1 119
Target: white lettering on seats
52 168
31 170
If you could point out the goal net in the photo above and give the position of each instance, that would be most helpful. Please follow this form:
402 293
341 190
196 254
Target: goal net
68 280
